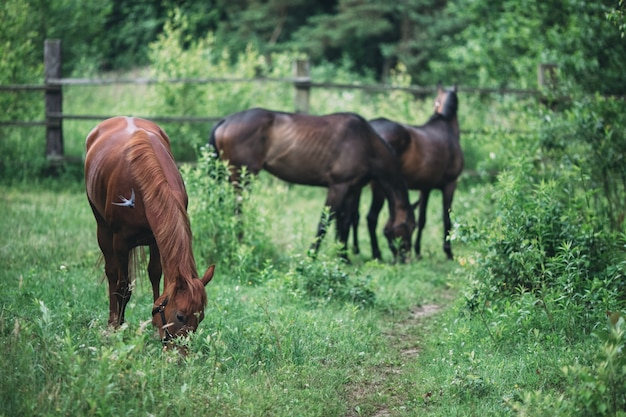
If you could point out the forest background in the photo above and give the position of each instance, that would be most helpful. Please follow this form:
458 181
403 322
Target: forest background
476 43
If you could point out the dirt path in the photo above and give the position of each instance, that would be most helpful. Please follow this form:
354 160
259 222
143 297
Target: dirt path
404 338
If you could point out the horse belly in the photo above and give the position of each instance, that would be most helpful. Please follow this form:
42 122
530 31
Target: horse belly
297 162
297 171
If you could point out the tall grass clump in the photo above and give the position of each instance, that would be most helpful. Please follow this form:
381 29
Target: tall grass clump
326 280
228 227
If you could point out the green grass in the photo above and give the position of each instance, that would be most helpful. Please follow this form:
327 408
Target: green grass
266 347
262 349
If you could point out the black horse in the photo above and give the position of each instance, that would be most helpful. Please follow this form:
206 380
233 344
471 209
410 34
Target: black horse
430 157
339 151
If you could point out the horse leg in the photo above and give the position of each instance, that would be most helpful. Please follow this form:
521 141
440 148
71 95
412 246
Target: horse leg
334 199
378 200
345 219
155 270
105 241
122 289
116 270
354 221
421 222
448 194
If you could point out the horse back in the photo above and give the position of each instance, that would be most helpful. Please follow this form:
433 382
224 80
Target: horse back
430 155
298 148
108 175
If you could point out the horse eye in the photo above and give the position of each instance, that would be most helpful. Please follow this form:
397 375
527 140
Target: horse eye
180 317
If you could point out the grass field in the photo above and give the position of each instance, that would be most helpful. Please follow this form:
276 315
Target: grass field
263 349
266 346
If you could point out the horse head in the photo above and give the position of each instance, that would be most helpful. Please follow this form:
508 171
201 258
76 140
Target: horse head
399 234
179 310
446 103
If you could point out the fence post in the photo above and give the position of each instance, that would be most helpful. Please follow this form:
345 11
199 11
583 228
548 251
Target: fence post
302 84
546 76
54 100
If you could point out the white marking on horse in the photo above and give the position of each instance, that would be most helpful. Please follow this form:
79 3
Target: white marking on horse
130 124
126 202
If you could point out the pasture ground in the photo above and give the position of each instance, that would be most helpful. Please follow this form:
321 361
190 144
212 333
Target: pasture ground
264 348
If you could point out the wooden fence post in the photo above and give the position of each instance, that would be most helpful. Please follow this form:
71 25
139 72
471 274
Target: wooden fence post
302 84
54 100
546 76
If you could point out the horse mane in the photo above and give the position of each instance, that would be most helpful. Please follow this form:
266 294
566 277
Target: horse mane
172 229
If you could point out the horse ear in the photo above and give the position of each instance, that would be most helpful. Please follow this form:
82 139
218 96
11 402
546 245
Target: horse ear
208 275
455 88
439 86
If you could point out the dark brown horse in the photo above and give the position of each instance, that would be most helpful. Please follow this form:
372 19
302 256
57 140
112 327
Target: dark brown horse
339 151
431 158
138 198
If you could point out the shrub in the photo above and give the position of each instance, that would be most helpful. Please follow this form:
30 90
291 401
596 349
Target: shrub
589 137
327 281
226 226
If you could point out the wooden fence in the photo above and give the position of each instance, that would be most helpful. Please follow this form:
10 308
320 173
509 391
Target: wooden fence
301 80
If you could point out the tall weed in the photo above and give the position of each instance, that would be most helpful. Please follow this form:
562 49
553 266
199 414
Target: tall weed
228 228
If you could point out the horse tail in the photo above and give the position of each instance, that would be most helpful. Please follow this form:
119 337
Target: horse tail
212 135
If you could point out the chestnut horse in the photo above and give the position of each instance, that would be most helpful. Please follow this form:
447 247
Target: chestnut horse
339 151
430 157
138 199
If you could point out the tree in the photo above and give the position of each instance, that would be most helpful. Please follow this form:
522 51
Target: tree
503 42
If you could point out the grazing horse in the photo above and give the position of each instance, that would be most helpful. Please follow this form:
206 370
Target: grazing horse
138 198
430 157
339 151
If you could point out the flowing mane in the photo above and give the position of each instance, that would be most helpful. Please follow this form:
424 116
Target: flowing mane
165 210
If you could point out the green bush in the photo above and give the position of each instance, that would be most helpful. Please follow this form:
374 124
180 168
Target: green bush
227 225
327 280
551 256
590 137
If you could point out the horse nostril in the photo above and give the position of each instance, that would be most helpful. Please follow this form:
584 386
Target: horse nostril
180 317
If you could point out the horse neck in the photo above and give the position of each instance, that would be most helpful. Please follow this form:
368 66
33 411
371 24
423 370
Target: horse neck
165 210
454 125
451 123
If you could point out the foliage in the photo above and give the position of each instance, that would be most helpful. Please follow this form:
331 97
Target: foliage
20 62
175 56
545 248
588 137
616 16
489 43
229 229
551 257
328 281
592 390
503 42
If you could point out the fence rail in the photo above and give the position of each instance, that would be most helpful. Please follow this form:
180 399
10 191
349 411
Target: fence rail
302 82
